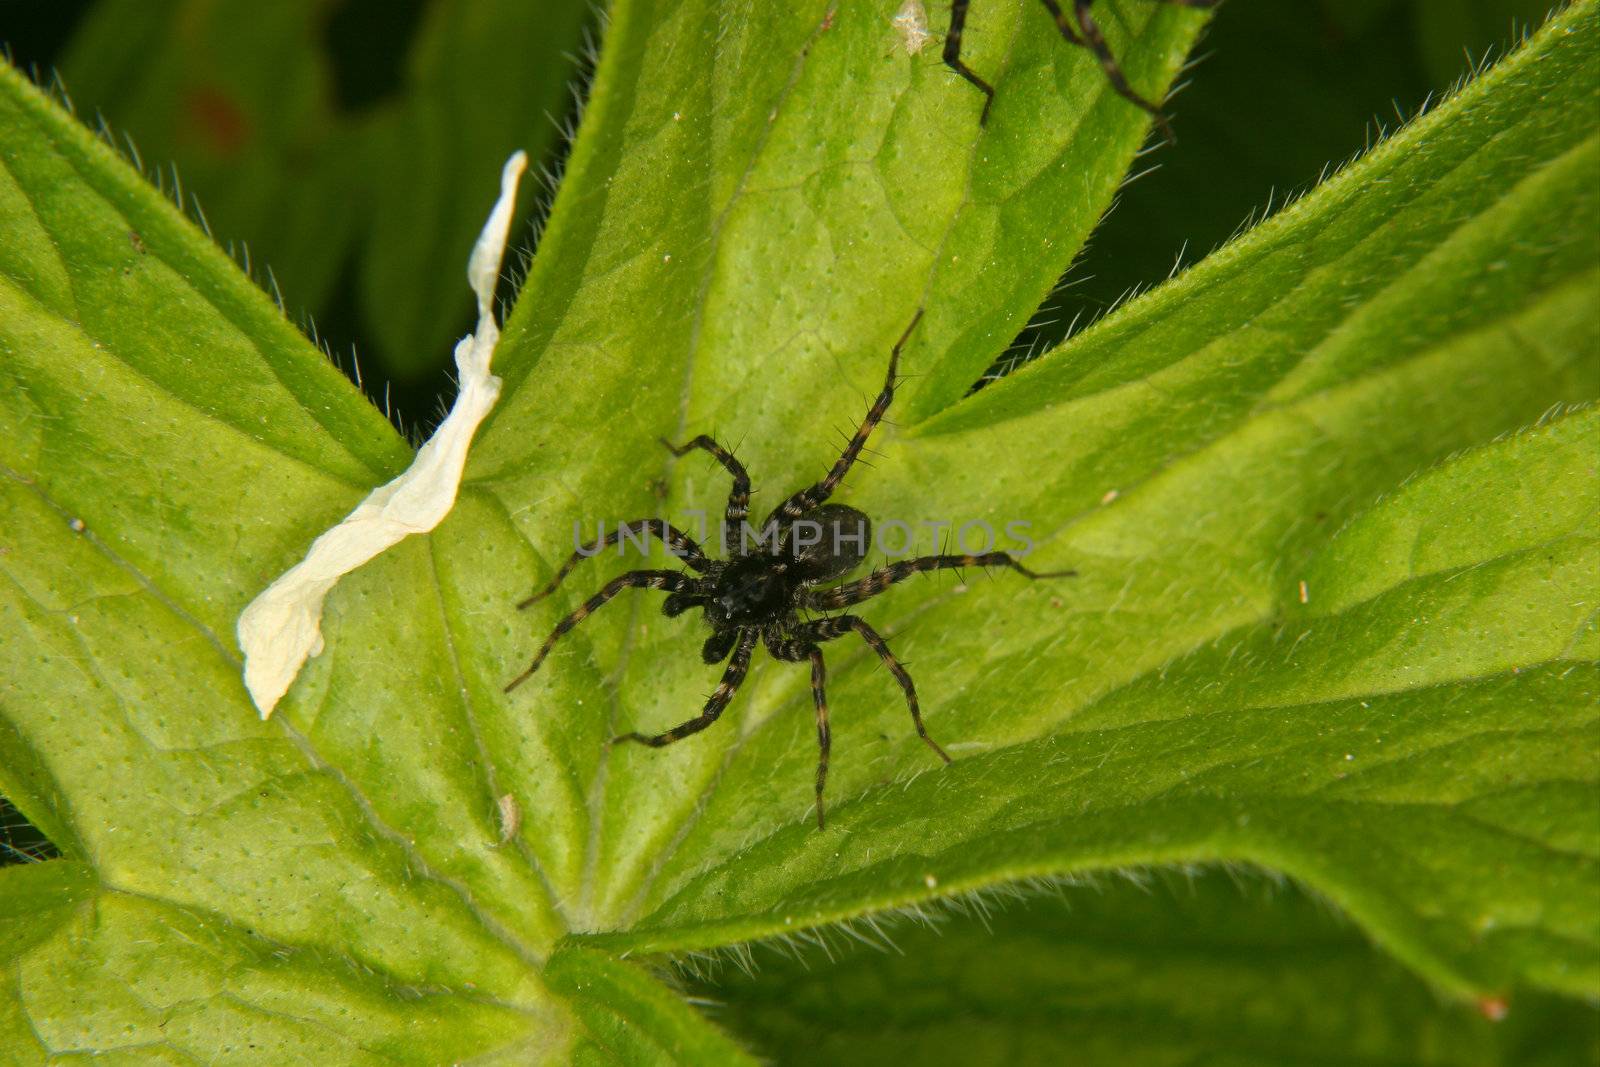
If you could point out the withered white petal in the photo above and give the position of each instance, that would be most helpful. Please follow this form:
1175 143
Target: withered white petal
283 626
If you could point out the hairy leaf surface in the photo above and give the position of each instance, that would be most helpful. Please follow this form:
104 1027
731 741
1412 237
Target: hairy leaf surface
1331 496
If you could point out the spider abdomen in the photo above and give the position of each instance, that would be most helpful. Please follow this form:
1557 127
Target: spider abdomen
828 542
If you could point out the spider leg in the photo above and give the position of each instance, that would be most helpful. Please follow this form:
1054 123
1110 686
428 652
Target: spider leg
738 496
1091 38
828 629
714 706
798 650
718 645
679 542
1063 24
952 56
671 581
876 582
810 497
819 676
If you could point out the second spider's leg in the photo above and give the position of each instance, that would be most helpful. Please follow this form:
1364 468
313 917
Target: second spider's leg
714 706
862 588
1063 23
828 629
671 581
675 539
952 56
811 496
1090 37
738 496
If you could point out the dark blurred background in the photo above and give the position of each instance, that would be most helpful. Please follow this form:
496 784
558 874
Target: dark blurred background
351 145
345 149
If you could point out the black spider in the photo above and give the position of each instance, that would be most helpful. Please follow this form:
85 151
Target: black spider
1086 34
770 577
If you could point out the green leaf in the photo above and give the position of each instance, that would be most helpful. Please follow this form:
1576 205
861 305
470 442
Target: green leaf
1428 299
165 439
1158 971
632 1018
701 310
758 200
114 971
1453 717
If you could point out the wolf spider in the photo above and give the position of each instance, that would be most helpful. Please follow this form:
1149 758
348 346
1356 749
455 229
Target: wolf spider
759 594
1086 34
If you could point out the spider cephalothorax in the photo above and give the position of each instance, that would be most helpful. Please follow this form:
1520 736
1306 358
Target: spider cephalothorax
769 588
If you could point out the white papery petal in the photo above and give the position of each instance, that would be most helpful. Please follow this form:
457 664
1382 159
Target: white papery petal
283 626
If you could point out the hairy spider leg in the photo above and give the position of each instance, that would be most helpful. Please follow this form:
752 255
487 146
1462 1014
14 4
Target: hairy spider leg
864 588
738 496
838 626
1086 35
671 581
819 678
798 650
680 543
808 498
714 705
1095 41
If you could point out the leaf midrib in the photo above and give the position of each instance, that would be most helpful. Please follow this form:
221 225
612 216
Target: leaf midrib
554 912
596 797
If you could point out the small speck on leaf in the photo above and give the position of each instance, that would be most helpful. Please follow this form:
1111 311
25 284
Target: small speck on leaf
911 23
510 817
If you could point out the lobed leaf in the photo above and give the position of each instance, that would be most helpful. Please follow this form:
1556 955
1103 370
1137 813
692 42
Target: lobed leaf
1428 299
166 440
1278 650
767 225
292 831
119 973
